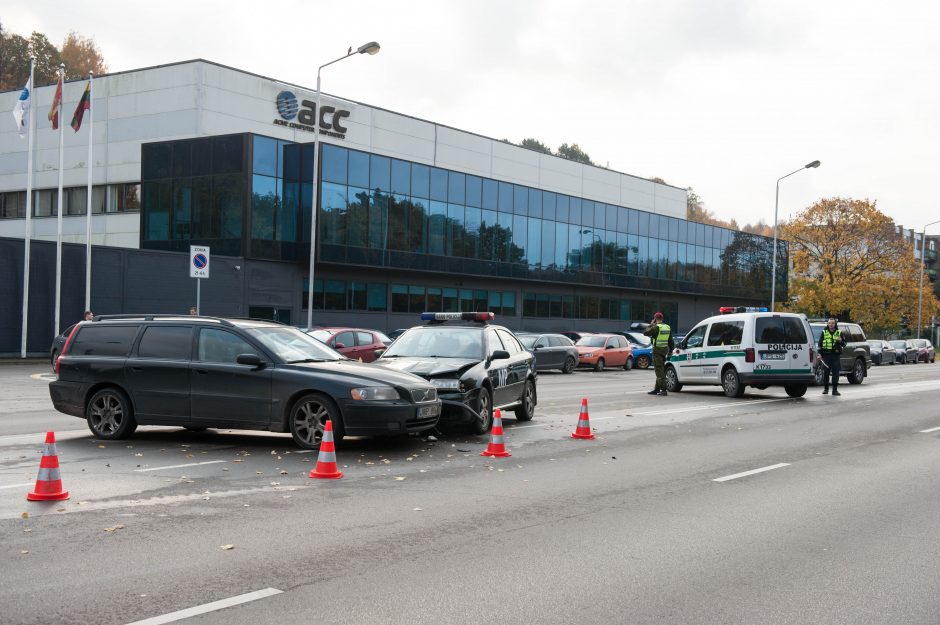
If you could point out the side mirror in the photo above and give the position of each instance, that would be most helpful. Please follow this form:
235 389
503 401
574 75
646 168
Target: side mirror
339 345
253 360
499 354
378 352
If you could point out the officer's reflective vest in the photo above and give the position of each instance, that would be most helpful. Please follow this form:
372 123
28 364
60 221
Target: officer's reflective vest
829 339
662 339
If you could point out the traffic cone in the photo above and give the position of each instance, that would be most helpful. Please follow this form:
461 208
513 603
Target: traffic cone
496 448
584 426
49 483
326 460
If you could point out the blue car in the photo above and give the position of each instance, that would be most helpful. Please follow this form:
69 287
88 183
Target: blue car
642 348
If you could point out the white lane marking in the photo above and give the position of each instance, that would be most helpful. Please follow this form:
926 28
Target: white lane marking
746 473
209 607
929 431
16 485
179 466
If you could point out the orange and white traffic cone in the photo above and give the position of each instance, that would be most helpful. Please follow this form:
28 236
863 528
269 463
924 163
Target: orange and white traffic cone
584 423
496 448
49 482
326 460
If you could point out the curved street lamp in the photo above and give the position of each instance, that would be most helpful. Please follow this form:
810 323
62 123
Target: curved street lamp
773 278
370 48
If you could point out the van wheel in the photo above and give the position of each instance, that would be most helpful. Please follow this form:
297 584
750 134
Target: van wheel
672 380
820 375
858 372
643 362
629 364
795 390
109 415
731 383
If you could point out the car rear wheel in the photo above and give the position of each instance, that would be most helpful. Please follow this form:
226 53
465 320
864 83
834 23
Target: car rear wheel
308 419
731 383
600 365
484 421
570 364
858 372
629 364
109 415
672 380
55 354
795 390
643 362
526 409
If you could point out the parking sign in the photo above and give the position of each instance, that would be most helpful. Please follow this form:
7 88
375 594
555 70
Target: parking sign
198 261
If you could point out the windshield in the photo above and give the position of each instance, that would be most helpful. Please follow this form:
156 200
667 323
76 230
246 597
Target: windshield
527 341
898 344
639 339
592 341
438 342
382 338
292 345
321 335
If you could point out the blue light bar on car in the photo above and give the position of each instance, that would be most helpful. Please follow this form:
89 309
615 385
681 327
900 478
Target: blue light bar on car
457 316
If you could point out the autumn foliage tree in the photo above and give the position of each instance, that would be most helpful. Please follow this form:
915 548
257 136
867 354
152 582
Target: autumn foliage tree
79 54
848 261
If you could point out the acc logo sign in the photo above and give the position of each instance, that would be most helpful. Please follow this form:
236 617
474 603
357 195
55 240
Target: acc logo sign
330 122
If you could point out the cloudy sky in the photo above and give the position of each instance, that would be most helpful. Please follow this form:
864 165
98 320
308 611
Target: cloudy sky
722 96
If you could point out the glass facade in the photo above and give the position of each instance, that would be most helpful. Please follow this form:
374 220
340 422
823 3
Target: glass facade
387 212
115 198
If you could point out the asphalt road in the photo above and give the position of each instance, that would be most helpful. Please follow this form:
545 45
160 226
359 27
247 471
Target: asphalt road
629 528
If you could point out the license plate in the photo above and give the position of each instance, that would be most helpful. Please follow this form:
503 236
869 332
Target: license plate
429 411
773 356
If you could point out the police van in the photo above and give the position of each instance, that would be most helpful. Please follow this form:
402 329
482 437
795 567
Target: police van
745 347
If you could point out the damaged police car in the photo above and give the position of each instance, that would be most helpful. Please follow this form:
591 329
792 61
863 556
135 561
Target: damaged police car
476 367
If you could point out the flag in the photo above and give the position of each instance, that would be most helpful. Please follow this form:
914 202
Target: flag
56 105
21 110
84 104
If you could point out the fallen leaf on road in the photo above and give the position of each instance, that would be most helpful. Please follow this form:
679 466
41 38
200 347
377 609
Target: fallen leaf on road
400 478
417 509
28 529
60 509
138 455
114 529
238 460
24 552
283 472
226 547
25 515
101 447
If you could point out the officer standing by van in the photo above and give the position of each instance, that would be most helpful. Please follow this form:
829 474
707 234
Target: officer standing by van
661 335
831 343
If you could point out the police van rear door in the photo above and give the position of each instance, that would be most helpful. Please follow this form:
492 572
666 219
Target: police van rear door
781 345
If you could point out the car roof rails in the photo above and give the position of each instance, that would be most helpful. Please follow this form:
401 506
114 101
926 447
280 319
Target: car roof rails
152 317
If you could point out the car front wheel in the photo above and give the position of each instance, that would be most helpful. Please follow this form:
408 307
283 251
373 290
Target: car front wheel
570 364
484 420
600 365
857 374
308 420
526 409
629 364
672 380
109 415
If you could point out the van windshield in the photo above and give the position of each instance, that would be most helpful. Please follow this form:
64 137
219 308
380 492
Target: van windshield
779 329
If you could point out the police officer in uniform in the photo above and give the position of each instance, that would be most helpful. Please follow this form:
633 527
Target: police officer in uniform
661 335
831 343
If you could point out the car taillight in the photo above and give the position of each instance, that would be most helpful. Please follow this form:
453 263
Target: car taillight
749 354
65 350
812 356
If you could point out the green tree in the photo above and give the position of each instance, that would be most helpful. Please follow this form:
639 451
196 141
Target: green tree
14 60
79 54
536 145
574 152
47 59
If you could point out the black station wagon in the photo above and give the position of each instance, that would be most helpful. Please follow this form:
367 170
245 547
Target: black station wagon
121 371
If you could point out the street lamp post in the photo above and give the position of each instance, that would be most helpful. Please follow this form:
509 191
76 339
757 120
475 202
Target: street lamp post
368 48
920 297
773 277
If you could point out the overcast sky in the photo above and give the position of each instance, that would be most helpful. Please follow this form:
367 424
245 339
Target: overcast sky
719 95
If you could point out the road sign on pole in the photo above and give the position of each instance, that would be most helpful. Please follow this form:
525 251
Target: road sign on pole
198 261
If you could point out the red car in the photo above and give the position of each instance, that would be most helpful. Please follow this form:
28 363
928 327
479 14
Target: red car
604 350
354 343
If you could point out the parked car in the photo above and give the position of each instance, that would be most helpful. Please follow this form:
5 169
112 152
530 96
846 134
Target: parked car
475 366
58 343
882 352
552 351
121 371
394 334
905 352
642 347
355 343
600 351
856 355
925 350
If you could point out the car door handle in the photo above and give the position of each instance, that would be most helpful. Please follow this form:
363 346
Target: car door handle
202 371
137 369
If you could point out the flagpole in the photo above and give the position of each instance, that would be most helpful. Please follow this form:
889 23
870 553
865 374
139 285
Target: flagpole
91 131
29 208
58 241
